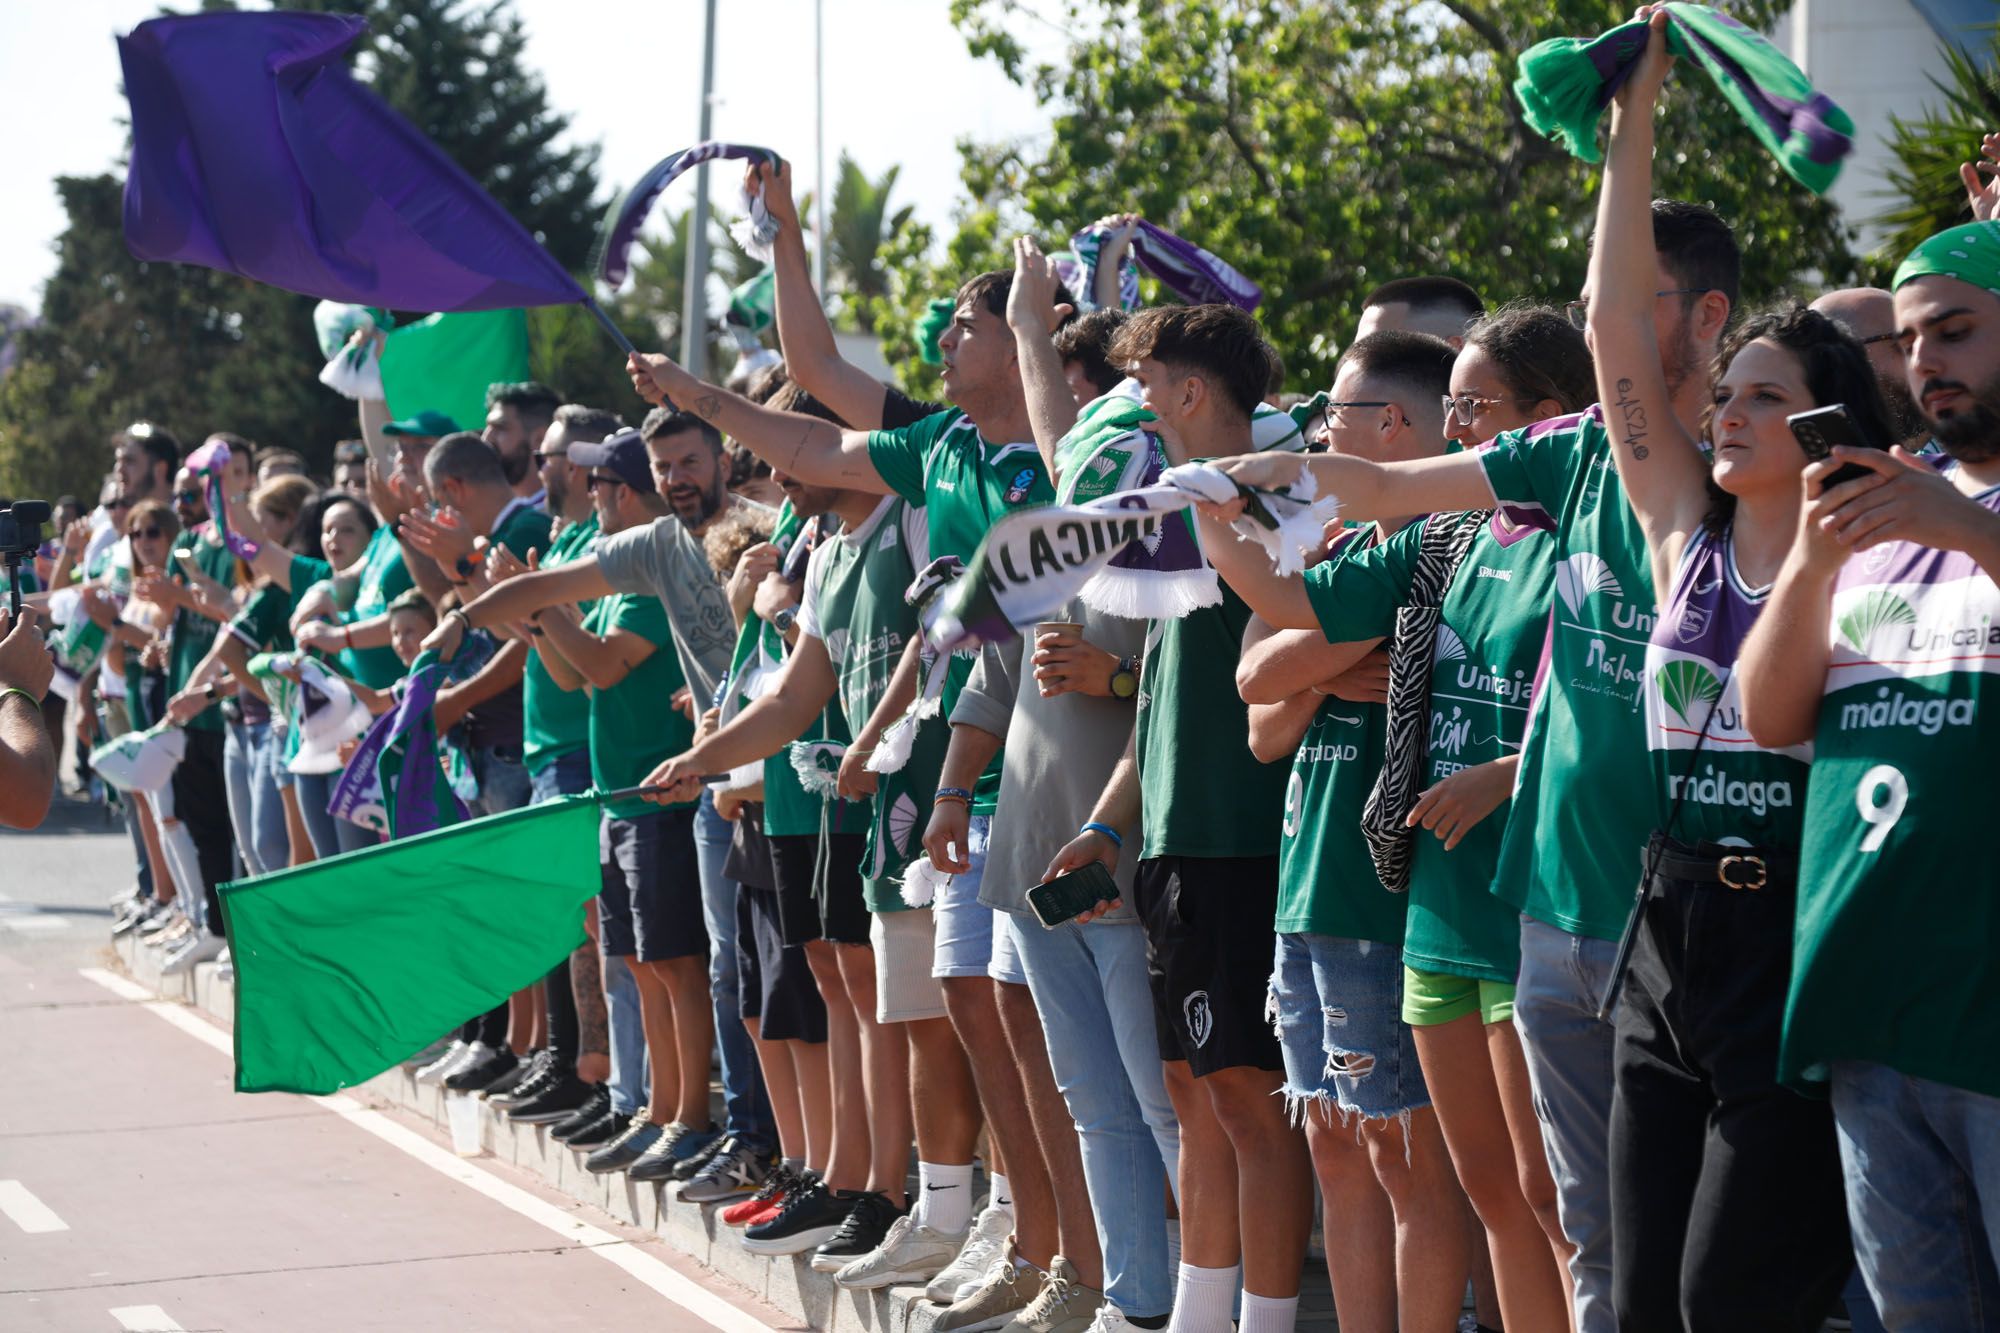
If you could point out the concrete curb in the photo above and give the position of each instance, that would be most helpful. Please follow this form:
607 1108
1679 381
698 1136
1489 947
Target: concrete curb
787 1284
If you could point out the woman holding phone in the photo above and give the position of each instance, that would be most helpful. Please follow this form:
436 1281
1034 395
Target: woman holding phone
1726 1197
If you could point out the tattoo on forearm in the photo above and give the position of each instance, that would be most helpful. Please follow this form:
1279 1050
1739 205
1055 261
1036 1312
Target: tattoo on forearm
1634 416
706 406
593 1024
805 433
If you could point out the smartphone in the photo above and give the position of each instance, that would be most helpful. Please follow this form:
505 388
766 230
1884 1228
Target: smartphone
1823 429
1065 896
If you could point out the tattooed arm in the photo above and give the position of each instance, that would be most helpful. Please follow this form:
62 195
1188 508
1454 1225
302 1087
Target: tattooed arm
1630 290
816 452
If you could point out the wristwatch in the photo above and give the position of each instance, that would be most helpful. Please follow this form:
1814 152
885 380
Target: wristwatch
465 566
1125 678
785 619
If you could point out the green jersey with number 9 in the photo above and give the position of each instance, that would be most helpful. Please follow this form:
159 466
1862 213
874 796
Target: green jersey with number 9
1898 941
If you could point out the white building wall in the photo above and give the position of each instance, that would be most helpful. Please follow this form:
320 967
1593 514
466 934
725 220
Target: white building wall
1875 58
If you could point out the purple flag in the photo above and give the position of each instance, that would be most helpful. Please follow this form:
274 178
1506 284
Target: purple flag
255 152
620 230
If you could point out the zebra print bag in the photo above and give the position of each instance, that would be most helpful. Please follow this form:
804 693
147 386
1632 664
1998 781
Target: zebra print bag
1412 647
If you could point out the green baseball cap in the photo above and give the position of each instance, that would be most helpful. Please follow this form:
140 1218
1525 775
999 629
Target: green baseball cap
427 422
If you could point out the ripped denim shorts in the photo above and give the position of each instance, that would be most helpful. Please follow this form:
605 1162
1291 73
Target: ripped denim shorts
1338 1008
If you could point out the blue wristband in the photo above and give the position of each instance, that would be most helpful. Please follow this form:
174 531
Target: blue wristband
1094 827
952 794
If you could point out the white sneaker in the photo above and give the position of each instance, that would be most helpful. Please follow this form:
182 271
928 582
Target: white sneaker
1110 1319
461 1054
225 966
967 1273
197 948
909 1253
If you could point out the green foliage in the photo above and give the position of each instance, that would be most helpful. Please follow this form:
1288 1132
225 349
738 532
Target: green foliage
1323 157
1930 148
859 230
197 350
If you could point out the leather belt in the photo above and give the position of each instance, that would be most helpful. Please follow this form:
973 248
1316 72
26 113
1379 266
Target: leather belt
1746 871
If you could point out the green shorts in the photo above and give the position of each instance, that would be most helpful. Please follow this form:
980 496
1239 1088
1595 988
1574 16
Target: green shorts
1431 998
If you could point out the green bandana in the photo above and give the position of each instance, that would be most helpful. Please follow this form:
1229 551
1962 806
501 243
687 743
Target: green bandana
1970 253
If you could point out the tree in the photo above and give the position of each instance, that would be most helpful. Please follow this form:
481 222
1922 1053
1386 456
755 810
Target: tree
1930 148
1322 157
860 227
197 350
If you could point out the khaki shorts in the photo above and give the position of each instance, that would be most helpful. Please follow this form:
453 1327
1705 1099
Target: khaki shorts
905 990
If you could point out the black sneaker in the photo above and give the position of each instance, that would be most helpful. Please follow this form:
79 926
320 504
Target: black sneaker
595 1106
869 1218
809 1218
559 1099
733 1168
626 1148
660 1159
596 1133
530 1076
483 1072
691 1163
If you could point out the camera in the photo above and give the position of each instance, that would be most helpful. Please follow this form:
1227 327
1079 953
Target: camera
20 536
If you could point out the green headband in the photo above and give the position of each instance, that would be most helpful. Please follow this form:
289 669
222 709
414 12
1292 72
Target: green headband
1970 253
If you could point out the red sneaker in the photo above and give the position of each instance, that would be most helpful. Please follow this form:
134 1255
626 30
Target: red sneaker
765 1203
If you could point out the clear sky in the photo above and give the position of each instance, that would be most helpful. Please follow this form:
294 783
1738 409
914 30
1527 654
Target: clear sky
901 89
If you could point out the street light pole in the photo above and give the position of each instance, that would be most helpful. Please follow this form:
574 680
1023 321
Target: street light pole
694 299
819 151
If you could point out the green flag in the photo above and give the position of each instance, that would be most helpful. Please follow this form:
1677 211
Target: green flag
346 966
444 363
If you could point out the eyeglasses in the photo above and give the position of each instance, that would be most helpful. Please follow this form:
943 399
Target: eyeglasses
544 457
597 479
1328 408
122 502
1465 406
1579 311
150 534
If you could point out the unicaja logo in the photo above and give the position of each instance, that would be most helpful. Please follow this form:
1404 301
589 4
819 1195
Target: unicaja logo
1871 614
1582 575
1685 685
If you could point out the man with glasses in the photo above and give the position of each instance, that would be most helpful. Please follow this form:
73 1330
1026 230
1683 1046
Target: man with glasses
1870 314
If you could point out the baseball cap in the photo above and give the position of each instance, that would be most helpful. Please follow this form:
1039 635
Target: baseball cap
427 422
623 455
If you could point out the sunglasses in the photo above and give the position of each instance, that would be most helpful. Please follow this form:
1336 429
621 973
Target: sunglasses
597 479
187 497
120 503
150 534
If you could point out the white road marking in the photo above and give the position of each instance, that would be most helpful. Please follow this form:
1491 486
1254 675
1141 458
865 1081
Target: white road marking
27 1212
145 1319
641 1266
33 923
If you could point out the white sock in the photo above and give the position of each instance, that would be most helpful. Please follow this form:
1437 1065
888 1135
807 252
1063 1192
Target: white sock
1268 1314
795 1165
997 1193
946 1193
1204 1298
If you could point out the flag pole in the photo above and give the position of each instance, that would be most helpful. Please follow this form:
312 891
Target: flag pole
617 335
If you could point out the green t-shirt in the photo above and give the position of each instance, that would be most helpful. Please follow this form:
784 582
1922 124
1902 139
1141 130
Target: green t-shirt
854 605
1202 793
1489 642
383 579
789 810
633 726
522 528
1897 954
305 572
965 483
194 633
1595 797
265 621
555 721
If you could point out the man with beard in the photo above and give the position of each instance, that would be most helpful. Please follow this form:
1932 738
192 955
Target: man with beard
1568 864
518 416
1876 647
694 475
1870 314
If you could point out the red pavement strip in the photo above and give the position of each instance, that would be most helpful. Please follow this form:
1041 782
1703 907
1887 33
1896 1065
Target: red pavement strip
696 1303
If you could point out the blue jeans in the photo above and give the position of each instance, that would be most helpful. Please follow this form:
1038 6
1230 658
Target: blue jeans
1338 1007
746 1106
502 778
964 924
256 812
628 1038
1922 1162
1569 1054
567 775
1096 1006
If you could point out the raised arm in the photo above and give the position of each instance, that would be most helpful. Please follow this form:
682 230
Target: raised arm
518 598
766 725
1280 600
1032 313
1368 490
1663 473
812 357
817 452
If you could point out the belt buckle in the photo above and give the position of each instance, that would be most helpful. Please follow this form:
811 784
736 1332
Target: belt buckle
1753 865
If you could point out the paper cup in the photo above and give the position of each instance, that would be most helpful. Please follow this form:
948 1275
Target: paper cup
1067 631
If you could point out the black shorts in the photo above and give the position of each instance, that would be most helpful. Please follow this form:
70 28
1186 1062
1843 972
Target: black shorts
1209 951
838 913
650 905
776 989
